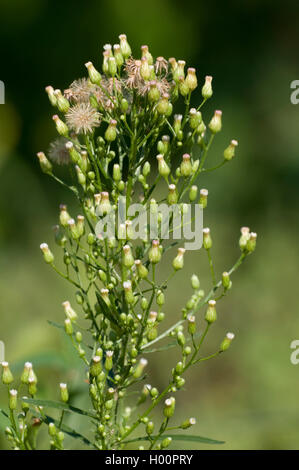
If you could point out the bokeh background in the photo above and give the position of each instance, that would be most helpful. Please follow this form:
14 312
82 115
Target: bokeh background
249 396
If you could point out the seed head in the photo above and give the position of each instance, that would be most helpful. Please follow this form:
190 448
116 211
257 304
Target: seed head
83 118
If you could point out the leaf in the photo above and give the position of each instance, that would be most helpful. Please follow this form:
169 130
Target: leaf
4 413
61 327
178 437
108 314
59 406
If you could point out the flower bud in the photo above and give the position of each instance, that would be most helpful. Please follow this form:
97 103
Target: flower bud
177 123
69 312
181 339
45 164
118 55
140 367
109 360
64 394
146 169
110 134
207 90
188 423
207 240
13 399
160 298
154 93
129 296
104 206
7 377
251 243
144 69
191 80
64 216
183 87
75 156
142 271
127 258
163 168
216 122
245 233
96 366
211 314
194 118
80 225
172 197
94 75
112 66
51 95
191 324
178 262
226 342
105 66
226 282
124 46
154 254
144 303
145 53
166 442
52 429
229 152
163 104
116 172
68 327
62 103
178 71
124 105
203 197
186 166
105 296
169 407
48 255
61 127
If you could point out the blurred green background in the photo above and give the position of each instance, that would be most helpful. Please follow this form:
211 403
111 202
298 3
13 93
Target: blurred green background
249 396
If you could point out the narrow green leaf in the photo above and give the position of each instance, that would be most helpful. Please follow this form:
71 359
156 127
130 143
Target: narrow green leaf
4 413
58 405
61 327
179 437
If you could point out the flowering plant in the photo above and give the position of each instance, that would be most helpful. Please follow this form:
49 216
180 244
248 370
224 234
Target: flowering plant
109 126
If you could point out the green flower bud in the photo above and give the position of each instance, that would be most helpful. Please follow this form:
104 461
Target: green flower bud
211 314
13 399
163 104
129 296
45 164
188 423
226 282
179 368
179 382
191 324
142 271
193 193
111 133
160 298
127 257
60 437
112 66
194 118
124 105
105 296
105 66
104 206
68 327
187 351
206 90
62 103
245 234
154 392
140 368
169 407
74 155
207 240
229 152
145 69
195 282
146 169
64 394
251 243
7 377
183 87
48 255
166 442
177 123
203 197
178 262
94 75
80 175
64 216
145 53
178 71
109 360
52 430
226 342
124 46
150 428
154 95
32 389
181 338
80 225
69 312
144 303
186 165
144 394
116 172
61 127
78 337
154 254
96 366
216 123
163 168
51 95
191 80
172 197
121 186
118 55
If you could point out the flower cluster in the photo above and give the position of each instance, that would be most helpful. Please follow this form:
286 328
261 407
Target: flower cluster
110 124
